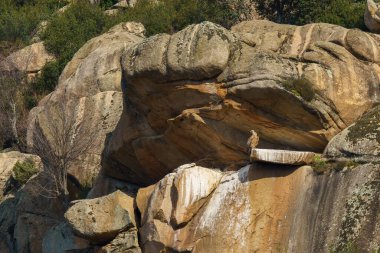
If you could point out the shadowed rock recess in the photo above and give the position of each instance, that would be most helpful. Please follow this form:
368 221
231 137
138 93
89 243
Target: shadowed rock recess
173 115
194 96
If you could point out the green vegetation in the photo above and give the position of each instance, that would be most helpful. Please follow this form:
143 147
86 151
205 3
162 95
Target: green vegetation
68 31
108 3
319 164
22 171
322 165
169 16
18 20
301 88
348 248
347 13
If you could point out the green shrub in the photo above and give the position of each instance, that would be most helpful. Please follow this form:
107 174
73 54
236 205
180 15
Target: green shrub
19 20
347 13
169 16
108 3
69 31
22 171
319 164
48 79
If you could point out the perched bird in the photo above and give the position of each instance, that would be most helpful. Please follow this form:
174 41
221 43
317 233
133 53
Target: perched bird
253 140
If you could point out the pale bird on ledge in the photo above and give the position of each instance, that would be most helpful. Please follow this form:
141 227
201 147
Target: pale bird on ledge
253 141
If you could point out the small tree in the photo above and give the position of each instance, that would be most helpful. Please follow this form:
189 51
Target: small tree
61 137
12 86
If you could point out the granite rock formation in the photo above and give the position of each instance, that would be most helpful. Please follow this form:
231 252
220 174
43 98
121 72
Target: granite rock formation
372 16
90 89
194 96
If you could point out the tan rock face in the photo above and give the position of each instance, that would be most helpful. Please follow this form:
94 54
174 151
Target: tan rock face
26 216
99 220
359 141
263 208
61 239
8 161
195 95
30 59
90 86
125 242
372 16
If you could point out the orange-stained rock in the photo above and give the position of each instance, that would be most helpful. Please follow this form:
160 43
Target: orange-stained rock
194 96
142 199
265 208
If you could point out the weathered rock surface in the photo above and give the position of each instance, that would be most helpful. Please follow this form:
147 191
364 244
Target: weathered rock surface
195 95
282 156
104 185
359 141
30 60
27 216
263 208
372 16
7 162
99 220
61 239
125 242
90 87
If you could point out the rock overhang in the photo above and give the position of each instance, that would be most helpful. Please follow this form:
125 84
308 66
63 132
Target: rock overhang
194 96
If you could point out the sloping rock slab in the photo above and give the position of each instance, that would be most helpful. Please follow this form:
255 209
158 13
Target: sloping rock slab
282 156
8 161
99 220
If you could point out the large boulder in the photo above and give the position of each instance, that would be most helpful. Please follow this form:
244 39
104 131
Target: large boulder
90 89
194 96
29 60
99 220
7 162
27 215
262 208
360 141
125 242
61 239
372 16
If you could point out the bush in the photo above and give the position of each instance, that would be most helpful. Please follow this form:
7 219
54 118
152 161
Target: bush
169 16
347 13
48 79
22 171
108 3
19 19
69 31
319 164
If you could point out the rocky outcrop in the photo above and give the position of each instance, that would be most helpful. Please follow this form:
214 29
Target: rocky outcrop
372 17
7 163
360 141
263 208
99 220
195 95
29 60
90 89
26 216
125 242
61 239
